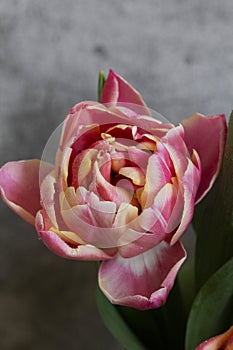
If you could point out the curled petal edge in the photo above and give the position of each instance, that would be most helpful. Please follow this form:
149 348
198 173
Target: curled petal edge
135 282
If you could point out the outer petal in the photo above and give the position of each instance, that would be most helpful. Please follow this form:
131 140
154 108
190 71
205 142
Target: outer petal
54 241
82 252
207 136
19 186
142 282
116 89
223 341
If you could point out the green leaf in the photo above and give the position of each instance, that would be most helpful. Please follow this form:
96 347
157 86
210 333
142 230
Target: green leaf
213 219
101 82
156 329
116 324
212 309
187 286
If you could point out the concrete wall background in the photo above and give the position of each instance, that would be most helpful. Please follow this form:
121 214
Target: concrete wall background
178 54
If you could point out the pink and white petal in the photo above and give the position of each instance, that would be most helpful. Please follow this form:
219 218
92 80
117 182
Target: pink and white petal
47 195
81 168
157 175
207 135
72 124
154 223
81 221
43 223
135 242
125 215
142 282
190 183
116 90
173 141
223 341
101 115
107 192
103 211
19 186
82 252
155 219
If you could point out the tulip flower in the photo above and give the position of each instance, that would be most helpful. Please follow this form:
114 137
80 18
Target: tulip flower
122 191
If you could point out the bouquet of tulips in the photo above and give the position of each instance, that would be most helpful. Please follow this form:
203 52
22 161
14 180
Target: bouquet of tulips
122 188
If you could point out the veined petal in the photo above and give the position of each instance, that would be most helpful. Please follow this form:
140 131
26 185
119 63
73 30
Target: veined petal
207 135
142 282
19 186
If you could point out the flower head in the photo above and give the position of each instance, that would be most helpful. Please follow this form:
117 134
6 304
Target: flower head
122 190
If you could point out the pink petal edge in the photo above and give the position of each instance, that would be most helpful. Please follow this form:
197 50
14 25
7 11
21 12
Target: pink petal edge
19 186
207 135
116 89
82 252
142 282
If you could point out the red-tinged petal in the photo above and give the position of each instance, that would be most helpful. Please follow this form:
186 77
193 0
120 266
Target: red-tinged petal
19 186
207 135
82 167
82 252
142 282
220 342
116 89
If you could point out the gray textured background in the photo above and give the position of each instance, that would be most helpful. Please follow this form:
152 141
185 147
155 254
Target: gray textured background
179 54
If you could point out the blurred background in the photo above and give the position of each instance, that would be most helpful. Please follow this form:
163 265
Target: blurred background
178 54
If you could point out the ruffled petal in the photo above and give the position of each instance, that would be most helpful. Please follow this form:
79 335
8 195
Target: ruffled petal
207 135
142 282
19 186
